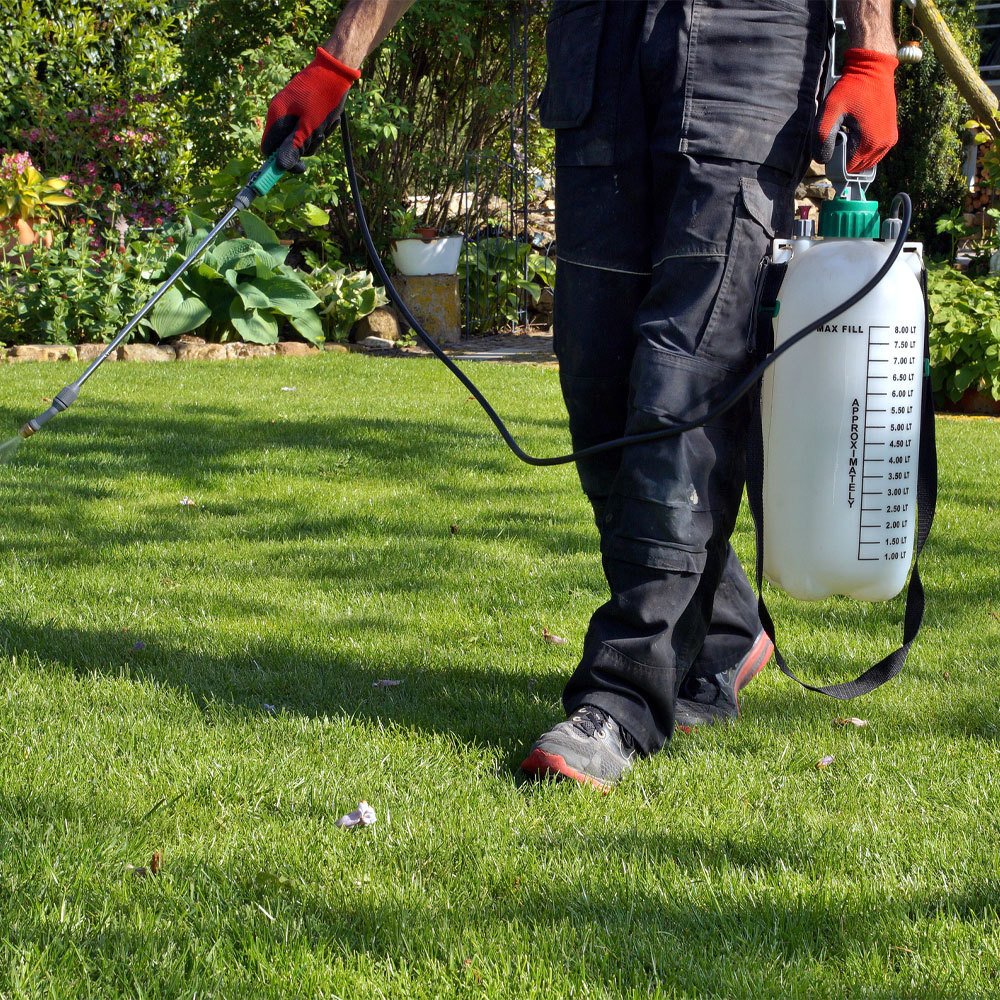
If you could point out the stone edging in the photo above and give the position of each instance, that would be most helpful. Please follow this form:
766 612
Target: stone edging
184 351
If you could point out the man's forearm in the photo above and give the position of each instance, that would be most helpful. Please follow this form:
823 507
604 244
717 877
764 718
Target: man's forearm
362 26
869 24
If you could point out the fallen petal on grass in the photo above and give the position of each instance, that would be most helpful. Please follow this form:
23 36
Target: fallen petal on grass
386 682
364 815
824 762
187 502
851 721
556 640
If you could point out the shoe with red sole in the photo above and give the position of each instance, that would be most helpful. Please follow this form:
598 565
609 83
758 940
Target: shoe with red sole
705 700
589 748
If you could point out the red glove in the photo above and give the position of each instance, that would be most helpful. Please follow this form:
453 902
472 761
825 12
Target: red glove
301 115
863 100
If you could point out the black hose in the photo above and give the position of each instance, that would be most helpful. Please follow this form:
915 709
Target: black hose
741 389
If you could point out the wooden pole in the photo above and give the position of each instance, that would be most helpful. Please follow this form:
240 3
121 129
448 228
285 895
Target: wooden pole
963 74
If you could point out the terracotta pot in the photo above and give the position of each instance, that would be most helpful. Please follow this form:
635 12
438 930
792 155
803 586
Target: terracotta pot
27 236
426 233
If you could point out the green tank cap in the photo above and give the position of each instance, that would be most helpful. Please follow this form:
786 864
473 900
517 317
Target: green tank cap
840 217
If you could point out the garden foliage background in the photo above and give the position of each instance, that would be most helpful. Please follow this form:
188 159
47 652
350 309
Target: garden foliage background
152 109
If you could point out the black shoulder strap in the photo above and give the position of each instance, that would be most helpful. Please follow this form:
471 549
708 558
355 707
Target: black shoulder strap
887 668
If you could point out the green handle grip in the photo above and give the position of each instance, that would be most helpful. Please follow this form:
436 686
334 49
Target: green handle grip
267 176
259 183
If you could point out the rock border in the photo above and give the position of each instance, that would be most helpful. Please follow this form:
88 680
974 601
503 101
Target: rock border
189 350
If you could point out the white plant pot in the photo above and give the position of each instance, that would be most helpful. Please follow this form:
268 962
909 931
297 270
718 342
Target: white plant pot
436 256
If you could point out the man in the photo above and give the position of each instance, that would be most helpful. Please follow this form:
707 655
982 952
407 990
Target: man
682 129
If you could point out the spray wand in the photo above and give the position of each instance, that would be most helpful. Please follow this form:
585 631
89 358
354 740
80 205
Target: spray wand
264 180
259 183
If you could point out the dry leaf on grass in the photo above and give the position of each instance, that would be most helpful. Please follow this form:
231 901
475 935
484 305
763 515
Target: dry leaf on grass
851 721
142 871
187 502
556 640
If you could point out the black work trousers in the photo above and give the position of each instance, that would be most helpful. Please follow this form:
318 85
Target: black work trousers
682 129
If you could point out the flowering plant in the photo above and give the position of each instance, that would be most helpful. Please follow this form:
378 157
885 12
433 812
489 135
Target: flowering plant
25 193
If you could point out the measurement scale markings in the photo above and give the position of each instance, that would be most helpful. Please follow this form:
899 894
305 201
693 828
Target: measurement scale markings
871 395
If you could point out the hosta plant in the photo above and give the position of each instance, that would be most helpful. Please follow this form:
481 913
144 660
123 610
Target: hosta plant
240 288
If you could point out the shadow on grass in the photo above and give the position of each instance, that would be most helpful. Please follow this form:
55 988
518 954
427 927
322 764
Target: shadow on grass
479 706
214 442
198 446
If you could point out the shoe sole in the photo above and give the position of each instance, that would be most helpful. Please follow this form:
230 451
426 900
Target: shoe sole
753 663
758 657
539 764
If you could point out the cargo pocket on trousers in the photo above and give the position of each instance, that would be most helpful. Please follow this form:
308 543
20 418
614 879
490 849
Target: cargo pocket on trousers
572 48
754 214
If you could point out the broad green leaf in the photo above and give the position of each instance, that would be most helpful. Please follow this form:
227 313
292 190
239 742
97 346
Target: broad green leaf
964 377
206 270
308 324
252 325
313 215
290 296
252 296
177 313
225 255
256 229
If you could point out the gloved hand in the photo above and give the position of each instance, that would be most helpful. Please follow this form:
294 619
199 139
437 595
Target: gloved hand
300 116
863 100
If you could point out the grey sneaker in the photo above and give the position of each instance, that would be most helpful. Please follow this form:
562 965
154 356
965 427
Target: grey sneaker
704 700
589 748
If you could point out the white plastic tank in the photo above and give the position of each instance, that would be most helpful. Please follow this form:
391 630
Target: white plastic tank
841 419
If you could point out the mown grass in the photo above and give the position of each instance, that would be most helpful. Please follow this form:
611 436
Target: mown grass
198 680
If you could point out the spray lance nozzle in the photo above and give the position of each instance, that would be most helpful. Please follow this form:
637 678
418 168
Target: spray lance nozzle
63 400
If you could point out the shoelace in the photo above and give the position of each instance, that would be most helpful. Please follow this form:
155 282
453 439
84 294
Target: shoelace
590 720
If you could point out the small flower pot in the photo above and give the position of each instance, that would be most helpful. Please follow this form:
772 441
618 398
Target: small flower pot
436 256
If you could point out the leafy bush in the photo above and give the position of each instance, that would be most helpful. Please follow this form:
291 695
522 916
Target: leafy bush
965 332
79 289
345 297
437 87
90 91
500 274
927 160
239 285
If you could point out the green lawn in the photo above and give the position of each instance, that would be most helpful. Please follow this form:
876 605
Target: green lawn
370 525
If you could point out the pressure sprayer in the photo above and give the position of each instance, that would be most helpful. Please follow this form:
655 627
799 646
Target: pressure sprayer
827 289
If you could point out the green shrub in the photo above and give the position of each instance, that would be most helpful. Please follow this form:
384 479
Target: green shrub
438 86
965 332
345 297
240 286
79 289
90 91
500 274
927 160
